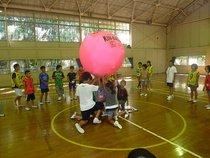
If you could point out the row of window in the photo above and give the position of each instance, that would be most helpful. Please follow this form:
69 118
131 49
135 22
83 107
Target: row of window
6 66
31 29
189 60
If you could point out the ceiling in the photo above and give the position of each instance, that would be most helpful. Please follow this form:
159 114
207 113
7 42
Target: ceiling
154 12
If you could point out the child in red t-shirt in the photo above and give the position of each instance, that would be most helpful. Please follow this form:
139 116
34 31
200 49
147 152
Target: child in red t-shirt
29 89
207 85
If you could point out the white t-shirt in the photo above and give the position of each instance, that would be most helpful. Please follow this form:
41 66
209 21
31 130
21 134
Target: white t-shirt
170 74
85 93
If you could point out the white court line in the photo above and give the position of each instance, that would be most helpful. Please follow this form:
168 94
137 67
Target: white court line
160 137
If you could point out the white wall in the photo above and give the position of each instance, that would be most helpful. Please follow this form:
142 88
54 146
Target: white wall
192 37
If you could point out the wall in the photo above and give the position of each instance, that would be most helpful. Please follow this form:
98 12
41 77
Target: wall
148 43
192 37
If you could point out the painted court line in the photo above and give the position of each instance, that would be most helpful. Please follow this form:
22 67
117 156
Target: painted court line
160 137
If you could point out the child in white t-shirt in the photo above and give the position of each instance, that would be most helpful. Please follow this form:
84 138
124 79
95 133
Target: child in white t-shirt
87 106
170 78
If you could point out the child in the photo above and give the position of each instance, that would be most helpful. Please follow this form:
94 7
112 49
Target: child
72 82
207 85
170 78
192 82
87 106
111 105
17 84
44 84
138 71
122 97
79 74
58 76
144 80
29 89
150 71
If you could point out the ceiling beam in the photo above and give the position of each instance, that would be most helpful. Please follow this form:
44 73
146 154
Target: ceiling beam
140 15
108 8
78 6
44 6
8 2
180 12
122 7
91 6
133 11
52 4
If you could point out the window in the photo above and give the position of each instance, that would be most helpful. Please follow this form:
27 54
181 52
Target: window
69 33
20 28
4 67
182 60
86 31
189 60
128 62
124 36
199 60
20 62
31 64
2 28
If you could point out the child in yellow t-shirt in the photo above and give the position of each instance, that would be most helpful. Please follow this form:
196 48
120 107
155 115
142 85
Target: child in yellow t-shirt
150 71
192 82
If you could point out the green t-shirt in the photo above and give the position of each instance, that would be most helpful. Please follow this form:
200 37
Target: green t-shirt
58 77
193 78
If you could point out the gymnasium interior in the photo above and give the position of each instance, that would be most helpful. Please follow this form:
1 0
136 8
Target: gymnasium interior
34 33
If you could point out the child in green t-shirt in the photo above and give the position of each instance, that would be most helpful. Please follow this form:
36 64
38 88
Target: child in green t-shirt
58 76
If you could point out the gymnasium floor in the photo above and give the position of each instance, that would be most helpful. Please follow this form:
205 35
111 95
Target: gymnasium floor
168 129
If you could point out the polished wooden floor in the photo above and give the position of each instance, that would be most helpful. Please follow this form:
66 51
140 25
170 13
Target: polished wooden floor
168 129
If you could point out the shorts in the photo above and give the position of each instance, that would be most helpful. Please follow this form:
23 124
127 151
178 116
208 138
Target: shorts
111 112
18 92
100 105
144 82
45 90
30 97
170 84
72 86
59 90
86 114
122 104
193 87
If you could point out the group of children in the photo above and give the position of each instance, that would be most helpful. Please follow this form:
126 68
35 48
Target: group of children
20 82
109 100
144 74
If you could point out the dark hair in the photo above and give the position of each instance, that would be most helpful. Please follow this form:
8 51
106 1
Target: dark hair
140 63
86 76
42 67
27 71
16 65
149 62
110 86
144 65
71 67
58 66
194 65
208 68
140 153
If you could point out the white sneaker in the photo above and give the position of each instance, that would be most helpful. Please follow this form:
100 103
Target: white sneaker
47 101
59 98
34 106
145 94
142 94
74 115
208 107
169 98
116 124
194 101
79 128
126 115
27 109
40 103
2 115
96 121
190 100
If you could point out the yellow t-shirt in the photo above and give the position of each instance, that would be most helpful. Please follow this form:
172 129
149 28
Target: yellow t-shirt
193 78
138 71
16 80
150 70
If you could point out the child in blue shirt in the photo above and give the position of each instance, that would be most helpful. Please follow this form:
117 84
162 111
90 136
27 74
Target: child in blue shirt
44 81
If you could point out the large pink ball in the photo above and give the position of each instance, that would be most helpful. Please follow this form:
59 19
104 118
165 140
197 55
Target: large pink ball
101 53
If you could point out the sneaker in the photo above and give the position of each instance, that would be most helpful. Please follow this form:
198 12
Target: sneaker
79 128
190 100
145 94
169 98
59 98
194 101
40 103
96 121
74 115
27 109
34 106
116 124
47 101
2 115
126 115
208 107
142 94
